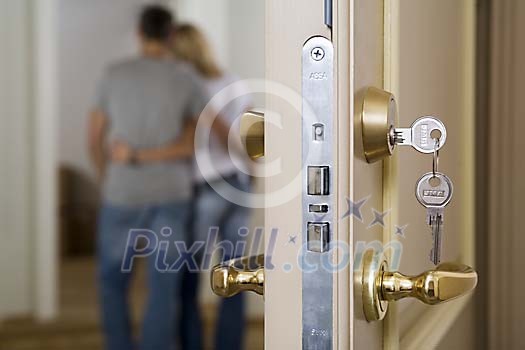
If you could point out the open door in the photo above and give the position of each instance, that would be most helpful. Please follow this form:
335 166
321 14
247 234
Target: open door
338 218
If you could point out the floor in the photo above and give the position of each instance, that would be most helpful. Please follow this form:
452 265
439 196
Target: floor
77 326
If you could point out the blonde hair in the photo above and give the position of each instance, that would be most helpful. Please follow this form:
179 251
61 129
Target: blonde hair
190 45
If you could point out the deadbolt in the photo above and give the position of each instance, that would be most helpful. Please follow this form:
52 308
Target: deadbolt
378 115
380 135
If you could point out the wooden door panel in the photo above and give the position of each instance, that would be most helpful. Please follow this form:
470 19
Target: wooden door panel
435 78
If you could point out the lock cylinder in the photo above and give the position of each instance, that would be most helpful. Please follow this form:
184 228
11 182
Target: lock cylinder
378 114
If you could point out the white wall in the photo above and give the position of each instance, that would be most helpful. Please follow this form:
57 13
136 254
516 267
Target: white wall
16 221
27 159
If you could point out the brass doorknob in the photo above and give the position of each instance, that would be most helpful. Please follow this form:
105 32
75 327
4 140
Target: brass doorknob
448 281
252 133
238 275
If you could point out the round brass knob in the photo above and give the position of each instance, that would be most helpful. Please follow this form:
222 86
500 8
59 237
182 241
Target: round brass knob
238 275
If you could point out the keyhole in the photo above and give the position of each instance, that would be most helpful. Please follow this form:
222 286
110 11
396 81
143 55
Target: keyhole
436 134
434 181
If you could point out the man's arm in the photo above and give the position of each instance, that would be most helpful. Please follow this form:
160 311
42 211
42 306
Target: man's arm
96 141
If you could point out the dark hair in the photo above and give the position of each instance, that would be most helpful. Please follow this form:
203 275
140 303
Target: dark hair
156 22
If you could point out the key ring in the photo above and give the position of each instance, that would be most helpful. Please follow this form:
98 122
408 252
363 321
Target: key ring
435 159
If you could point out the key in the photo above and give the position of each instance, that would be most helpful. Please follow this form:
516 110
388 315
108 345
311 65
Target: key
434 192
419 135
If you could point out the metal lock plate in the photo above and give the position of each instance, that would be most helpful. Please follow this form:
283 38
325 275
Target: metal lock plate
318 197
318 180
318 233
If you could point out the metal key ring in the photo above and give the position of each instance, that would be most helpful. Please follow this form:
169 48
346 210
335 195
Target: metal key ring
435 159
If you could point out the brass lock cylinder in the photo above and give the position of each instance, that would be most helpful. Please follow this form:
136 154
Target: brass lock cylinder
378 116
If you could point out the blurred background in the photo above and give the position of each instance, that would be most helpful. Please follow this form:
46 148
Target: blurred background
53 58
53 54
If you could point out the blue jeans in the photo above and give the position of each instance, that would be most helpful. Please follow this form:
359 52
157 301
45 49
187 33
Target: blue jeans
159 324
211 210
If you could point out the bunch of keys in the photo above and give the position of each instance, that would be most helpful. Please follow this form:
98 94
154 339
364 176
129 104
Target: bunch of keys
434 191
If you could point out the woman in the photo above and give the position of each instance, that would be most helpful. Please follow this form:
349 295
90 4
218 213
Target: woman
212 210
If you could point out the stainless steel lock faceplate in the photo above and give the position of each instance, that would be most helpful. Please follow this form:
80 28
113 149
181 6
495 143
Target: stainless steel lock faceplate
318 192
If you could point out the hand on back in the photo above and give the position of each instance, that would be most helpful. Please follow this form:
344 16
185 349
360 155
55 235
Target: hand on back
121 152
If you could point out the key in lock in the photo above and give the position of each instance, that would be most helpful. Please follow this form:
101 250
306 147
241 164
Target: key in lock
421 135
380 135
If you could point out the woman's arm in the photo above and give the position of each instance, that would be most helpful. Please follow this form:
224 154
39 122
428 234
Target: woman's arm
122 153
222 130
181 149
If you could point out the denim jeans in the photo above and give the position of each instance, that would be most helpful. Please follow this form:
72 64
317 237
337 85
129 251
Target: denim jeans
211 210
159 324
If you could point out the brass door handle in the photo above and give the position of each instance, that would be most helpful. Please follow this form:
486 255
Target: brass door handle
238 275
448 281
252 133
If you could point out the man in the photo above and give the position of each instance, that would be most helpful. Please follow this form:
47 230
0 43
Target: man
146 102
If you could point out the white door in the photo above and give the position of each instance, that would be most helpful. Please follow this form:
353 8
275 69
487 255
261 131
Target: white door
326 205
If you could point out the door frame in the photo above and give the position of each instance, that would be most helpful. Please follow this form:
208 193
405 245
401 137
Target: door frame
500 219
31 194
45 178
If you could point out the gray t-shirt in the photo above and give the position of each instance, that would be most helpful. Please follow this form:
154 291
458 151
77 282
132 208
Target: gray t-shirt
147 102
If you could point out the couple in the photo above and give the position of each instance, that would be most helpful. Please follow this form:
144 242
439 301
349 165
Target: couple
141 141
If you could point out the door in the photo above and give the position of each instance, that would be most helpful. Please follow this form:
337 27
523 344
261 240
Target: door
328 206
